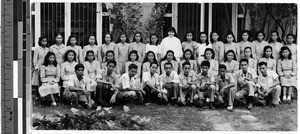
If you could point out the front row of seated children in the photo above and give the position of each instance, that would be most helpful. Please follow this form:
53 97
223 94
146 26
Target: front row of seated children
186 88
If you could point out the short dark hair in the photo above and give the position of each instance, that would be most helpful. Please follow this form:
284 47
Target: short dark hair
186 63
41 39
132 66
111 38
222 66
265 49
229 51
152 63
294 37
205 63
262 63
79 65
88 38
244 60
230 33
168 63
285 48
111 61
212 53
87 53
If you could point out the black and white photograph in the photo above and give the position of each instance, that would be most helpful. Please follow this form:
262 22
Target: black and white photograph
161 66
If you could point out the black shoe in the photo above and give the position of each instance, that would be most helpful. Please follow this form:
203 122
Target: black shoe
211 106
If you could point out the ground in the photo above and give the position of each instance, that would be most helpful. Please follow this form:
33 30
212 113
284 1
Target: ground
281 118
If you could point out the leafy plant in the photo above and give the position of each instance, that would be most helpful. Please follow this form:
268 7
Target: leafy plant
101 119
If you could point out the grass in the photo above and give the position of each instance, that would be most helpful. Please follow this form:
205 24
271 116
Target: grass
167 117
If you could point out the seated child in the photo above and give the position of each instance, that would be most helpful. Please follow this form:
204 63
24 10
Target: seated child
170 82
187 83
78 88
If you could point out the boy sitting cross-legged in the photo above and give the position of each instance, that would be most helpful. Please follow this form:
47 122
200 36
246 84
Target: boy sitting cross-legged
169 81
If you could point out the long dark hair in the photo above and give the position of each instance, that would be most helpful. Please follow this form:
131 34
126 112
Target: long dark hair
134 40
46 60
294 37
285 48
185 51
191 32
40 40
169 51
265 49
111 37
250 51
87 53
119 40
249 35
69 40
156 37
67 53
278 38
206 42
146 57
229 51
88 38
107 52
225 41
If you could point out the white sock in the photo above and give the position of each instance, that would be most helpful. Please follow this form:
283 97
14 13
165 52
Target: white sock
284 98
289 98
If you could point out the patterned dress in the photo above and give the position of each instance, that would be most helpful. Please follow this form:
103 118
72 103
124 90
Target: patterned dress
38 60
49 74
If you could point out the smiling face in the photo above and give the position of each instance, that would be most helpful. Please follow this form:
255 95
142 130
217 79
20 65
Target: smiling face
170 56
208 55
71 56
230 56
92 40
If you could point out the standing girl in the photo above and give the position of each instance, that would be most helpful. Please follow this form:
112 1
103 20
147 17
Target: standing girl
68 67
172 43
275 43
209 55
92 44
217 46
121 52
38 59
189 43
290 39
133 58
91 70
252 63
230 62
110 55
108 45
50 75
246 42
154 46
138 45
188 56
268 58
287 72
259 44
72 44
149 57
59 48
230 44
201 48
169 57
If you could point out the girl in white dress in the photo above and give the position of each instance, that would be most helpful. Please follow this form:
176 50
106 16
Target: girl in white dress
68 67
202 45
59 49
92 44
154 46
108 45
259 44
50 75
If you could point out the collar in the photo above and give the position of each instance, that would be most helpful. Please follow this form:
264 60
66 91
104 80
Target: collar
58 47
